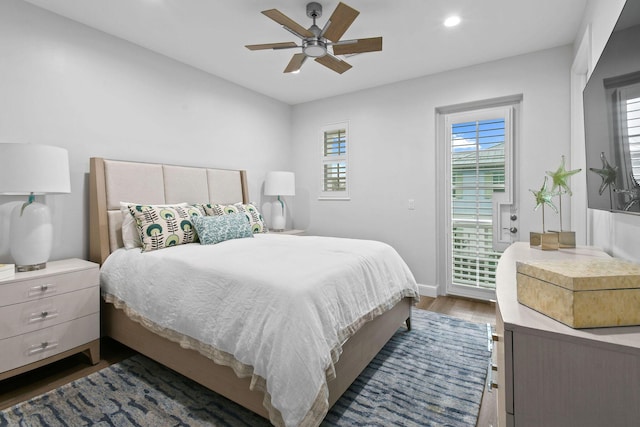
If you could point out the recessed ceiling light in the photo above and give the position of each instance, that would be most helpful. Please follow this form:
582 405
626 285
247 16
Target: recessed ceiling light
452 21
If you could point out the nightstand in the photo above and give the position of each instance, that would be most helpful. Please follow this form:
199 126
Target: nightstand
294 232
49 314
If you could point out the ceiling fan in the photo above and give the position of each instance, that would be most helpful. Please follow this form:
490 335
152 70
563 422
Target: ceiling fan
315 42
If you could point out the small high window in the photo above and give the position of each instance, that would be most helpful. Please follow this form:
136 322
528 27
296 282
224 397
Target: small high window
335 162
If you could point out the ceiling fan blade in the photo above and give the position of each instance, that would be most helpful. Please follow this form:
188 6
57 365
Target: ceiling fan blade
337 65
372 44
284 20
283 45
340 20
296 63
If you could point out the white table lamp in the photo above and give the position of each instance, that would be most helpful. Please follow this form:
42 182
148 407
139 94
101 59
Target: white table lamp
31 169
279 183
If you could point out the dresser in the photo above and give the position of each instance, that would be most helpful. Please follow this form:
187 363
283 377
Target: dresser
552 375
49 314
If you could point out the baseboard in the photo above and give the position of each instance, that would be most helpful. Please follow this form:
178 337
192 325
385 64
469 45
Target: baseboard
428 290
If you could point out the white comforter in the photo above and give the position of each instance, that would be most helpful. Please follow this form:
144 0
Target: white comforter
283 305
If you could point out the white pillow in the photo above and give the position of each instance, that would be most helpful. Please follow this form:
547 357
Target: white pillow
130 232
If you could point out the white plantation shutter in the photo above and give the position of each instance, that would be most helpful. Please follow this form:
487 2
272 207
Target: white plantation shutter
477 171
632 119
335 163
477 163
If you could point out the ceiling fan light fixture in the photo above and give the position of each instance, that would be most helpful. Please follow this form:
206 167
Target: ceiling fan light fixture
314 48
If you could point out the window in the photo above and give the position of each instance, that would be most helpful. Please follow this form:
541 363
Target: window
475 193
335 163
477 172
624 108
629 131
633 135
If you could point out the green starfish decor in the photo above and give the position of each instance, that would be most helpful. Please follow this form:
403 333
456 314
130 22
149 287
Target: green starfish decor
608 174
632 193
559 179
543 197
560 176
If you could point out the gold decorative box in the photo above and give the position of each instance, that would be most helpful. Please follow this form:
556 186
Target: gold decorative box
591 293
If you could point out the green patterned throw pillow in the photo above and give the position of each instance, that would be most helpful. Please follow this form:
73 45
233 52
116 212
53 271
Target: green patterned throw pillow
252 213
216 229
164 226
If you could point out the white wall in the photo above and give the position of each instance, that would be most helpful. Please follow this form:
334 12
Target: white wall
616 233
62 83
601 17
393 151
65 84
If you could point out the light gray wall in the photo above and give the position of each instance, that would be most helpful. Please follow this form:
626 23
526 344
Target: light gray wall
618 234
393 151
64 84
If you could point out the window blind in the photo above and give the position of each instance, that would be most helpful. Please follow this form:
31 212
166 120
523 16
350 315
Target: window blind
633 134
334 162
477 171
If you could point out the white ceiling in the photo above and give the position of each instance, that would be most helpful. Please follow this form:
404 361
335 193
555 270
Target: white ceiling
211 34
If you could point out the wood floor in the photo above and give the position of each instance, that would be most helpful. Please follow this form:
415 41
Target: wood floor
31 384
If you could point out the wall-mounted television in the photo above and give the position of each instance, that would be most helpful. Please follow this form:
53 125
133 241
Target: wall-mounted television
612 119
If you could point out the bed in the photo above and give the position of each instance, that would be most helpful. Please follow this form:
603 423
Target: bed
255 385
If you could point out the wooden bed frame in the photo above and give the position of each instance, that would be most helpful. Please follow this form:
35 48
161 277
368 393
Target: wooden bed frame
111 182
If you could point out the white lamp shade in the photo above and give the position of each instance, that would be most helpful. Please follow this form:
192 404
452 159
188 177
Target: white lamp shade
280 183
33 168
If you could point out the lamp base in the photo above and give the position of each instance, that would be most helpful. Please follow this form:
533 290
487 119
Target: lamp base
31 236
278 216
278 222
32 267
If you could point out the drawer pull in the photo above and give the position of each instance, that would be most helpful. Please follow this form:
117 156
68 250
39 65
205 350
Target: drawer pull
495 337
43 346
45 289
494 384
43 315
494 367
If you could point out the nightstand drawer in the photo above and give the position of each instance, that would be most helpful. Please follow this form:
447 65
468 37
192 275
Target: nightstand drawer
35 288
29 316
34 346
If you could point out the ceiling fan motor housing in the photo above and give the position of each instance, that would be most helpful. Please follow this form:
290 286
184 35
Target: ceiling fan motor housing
314 10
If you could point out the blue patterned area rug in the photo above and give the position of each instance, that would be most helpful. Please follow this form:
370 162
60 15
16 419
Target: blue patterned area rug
433 375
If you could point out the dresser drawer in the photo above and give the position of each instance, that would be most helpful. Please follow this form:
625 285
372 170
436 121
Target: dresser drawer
34 346
34 288
45 312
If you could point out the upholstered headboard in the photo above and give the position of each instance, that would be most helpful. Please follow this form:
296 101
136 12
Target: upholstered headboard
115 181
